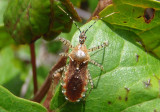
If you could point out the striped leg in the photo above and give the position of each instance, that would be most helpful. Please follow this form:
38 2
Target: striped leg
90 80
92 85
98 47
97 64
56 76
64 54
65 42
57 71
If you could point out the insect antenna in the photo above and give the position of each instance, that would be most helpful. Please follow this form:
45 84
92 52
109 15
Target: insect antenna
70 18
100 19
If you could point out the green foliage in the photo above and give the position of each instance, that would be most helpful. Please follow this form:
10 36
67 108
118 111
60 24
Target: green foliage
54 47
93 4
3 5
69 35
126 65
131 17
11 103
24 19
5 38
27 20
76 2
12 69
8 64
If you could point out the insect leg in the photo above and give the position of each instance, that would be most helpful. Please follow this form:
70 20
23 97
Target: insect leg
92 85
90 80
97 64
64 54
65 42
56 75
98 47
57 71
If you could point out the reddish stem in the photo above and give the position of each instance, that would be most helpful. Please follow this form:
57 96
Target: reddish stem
33 61
100 6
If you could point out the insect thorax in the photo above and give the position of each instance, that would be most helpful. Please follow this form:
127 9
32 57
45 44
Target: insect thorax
80 54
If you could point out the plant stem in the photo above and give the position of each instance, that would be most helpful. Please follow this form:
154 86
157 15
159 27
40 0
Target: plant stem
33 61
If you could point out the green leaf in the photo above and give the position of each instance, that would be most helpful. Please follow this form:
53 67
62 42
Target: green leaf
131 15
148 106
5 37
92 4
76 3
3 6
62 22
28 20
126 65
24 19
11 103
69 35
8 65
15 68
3 34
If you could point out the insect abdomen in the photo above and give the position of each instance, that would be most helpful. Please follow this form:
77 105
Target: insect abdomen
75 82
74 88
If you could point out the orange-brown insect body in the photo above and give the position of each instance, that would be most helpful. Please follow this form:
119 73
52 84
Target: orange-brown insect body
76 78
76 74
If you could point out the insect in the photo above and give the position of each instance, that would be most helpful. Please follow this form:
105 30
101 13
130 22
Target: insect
76 75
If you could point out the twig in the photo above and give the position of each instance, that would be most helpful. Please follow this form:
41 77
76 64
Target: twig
33 61
100 6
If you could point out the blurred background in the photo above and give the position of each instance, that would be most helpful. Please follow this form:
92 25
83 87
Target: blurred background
15 64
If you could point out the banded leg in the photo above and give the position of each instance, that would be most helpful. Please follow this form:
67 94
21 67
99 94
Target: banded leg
56 75
98 47
57 71
97 64
92 85
65 42
90 80
64 54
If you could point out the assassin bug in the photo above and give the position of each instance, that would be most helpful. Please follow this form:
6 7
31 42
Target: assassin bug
76 75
